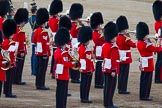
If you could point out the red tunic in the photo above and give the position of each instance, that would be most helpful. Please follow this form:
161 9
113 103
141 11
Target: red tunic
98 40
20 38
146 50
62 57
85 54
124 44
2 72
41 37
74 30
53 23
6 44
110 53
157 25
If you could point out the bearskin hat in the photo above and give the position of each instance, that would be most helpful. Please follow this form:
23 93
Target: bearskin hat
33 7
76 11
142 30
21 15
122 23
56 7
9 27
65 22
42 16
4 7
85 34
62 37
96 19
156 8
110 31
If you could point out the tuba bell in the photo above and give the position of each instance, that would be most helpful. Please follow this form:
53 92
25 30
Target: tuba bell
75 58
6 59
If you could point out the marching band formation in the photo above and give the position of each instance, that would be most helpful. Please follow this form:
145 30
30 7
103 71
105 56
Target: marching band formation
80 48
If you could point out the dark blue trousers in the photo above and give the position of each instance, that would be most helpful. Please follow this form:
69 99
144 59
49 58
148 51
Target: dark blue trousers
52 61
61 93
99 74
158 67
123 77
8 82
19 69
145 84
33 61
109 89
85 85
0 87
41 73
74 74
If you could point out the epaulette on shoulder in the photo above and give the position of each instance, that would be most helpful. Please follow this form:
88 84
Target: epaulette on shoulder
148 44
44 30
127 38
12 42
21 31
114 45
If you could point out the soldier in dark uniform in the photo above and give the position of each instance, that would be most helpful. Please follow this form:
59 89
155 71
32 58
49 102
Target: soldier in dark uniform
32 21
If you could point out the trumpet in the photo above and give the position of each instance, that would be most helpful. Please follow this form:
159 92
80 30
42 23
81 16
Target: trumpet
86 19
6 59
65 13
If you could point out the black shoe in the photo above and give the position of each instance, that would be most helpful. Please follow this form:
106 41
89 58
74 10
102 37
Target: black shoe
21 83
11 96
75 81
86 101
123 92
68 94
43 88
146 99
98 86
158 82
114 106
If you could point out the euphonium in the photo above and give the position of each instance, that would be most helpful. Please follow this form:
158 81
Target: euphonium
73 56
6 58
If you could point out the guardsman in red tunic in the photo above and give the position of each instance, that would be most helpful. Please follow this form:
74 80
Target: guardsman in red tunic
146 50
86 61
124 43
110 65
157 7
41 39
21 18
3 63
9 28
56 8
96 21
75 13
63 62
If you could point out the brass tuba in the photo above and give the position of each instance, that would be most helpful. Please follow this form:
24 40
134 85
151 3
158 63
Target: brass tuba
6 58
75 58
